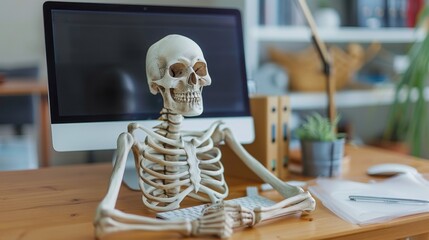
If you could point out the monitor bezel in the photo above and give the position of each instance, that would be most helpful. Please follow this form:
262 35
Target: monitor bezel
49 6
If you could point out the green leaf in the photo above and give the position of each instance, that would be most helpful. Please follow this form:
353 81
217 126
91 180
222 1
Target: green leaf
408 116
318 128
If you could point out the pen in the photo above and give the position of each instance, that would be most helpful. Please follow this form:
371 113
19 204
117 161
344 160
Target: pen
360 198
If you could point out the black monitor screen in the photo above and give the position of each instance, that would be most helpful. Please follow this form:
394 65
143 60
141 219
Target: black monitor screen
96 59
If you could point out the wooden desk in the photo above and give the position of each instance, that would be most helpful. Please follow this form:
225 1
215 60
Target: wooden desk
59 203
38 89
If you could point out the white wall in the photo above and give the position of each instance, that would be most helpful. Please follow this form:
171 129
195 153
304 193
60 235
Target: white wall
21 32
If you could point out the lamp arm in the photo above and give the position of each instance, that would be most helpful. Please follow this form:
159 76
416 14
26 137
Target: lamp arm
324 57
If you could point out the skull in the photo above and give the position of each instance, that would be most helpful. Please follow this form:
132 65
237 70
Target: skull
176 68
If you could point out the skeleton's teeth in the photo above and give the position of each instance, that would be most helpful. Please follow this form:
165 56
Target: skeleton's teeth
187 97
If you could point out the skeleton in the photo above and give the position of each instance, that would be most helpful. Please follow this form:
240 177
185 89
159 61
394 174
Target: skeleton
174 164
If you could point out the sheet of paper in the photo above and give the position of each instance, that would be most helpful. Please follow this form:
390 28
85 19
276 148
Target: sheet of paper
334 194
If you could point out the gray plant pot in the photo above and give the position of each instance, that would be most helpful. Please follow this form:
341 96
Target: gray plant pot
322 159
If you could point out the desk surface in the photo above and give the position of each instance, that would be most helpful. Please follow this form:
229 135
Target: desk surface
59 203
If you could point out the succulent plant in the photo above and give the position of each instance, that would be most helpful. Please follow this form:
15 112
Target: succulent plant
318 128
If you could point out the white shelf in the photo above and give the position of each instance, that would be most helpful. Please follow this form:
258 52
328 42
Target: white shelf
343 34
348 98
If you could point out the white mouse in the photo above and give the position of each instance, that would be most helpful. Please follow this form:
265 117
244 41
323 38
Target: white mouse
389 169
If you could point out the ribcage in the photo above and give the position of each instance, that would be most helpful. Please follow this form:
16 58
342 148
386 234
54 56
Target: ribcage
170 173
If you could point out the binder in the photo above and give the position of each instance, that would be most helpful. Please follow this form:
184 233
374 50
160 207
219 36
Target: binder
283 135
264 110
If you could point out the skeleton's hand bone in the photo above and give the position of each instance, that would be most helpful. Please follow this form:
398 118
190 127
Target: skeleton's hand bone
302 203
215 221
240 215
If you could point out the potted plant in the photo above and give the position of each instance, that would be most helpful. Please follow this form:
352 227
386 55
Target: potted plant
408 117
322 149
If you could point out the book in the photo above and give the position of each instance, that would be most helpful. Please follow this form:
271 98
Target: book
264 110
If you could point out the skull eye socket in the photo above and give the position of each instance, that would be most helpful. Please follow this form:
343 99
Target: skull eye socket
177 70
200 69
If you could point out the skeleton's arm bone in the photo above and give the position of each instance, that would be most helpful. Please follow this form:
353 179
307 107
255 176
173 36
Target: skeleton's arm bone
117 221
302 203
108 219
124 143
296 200
284 189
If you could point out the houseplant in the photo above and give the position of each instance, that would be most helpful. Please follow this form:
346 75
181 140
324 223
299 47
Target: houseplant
408 117
322 149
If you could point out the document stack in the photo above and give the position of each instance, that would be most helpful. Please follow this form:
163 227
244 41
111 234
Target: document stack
335 195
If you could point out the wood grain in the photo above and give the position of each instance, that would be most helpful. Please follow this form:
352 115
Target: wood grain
59 203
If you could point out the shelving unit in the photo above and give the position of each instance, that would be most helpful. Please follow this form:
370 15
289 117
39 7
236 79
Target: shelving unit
257 36
336 35
347 98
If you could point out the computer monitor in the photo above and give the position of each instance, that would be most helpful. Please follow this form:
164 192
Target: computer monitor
96 69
